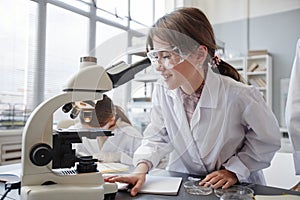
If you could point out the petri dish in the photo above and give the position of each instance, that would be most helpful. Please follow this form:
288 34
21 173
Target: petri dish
235 189
193 187
235 196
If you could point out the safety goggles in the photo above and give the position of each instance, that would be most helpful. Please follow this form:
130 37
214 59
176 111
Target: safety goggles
168 57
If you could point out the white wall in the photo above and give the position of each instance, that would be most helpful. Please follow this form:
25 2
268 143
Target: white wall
230 10
266 7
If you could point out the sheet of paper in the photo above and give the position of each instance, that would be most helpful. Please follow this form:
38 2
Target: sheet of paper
161 185
277 197
156 185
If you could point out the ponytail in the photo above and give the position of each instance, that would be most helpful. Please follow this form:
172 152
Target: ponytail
221 67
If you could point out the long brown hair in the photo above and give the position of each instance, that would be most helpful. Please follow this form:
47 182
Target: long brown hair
187 28
103 112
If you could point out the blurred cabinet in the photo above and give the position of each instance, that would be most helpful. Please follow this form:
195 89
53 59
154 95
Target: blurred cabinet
10 146
257 71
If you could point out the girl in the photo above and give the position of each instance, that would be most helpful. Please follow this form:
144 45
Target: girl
209 122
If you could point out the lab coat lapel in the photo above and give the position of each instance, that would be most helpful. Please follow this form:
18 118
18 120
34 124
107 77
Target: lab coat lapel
192 158
209 97
204 126
177 106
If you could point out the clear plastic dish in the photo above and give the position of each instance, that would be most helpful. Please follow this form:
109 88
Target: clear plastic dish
235 196
193 187
235 189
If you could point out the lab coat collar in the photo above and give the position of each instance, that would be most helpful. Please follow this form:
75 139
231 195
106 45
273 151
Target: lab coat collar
210 92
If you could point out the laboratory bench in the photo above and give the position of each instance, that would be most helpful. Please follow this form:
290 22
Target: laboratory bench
258 189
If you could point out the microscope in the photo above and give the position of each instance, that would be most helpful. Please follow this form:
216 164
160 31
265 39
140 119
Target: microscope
48 160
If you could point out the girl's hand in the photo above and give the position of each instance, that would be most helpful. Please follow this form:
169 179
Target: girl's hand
137 180
221 178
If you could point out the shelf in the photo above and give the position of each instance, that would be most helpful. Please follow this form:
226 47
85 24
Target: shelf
256 57
260 77
143 105
256 73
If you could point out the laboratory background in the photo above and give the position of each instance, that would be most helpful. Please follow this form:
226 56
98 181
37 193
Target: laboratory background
42 42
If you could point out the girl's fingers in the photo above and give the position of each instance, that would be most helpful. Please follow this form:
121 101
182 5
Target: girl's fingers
136 188
109 178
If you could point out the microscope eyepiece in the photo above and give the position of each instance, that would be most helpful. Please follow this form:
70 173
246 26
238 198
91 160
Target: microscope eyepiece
67 107
74 113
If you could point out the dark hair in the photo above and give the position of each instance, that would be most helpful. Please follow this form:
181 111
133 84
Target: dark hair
188 28
103 112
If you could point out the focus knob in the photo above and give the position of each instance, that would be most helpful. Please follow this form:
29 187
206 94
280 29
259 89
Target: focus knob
41 154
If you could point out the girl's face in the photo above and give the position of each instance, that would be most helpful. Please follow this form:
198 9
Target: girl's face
175 70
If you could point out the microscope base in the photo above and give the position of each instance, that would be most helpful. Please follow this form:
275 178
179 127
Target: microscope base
67 192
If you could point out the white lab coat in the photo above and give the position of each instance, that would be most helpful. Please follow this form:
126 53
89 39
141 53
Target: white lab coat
231 127
117 148
292 113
